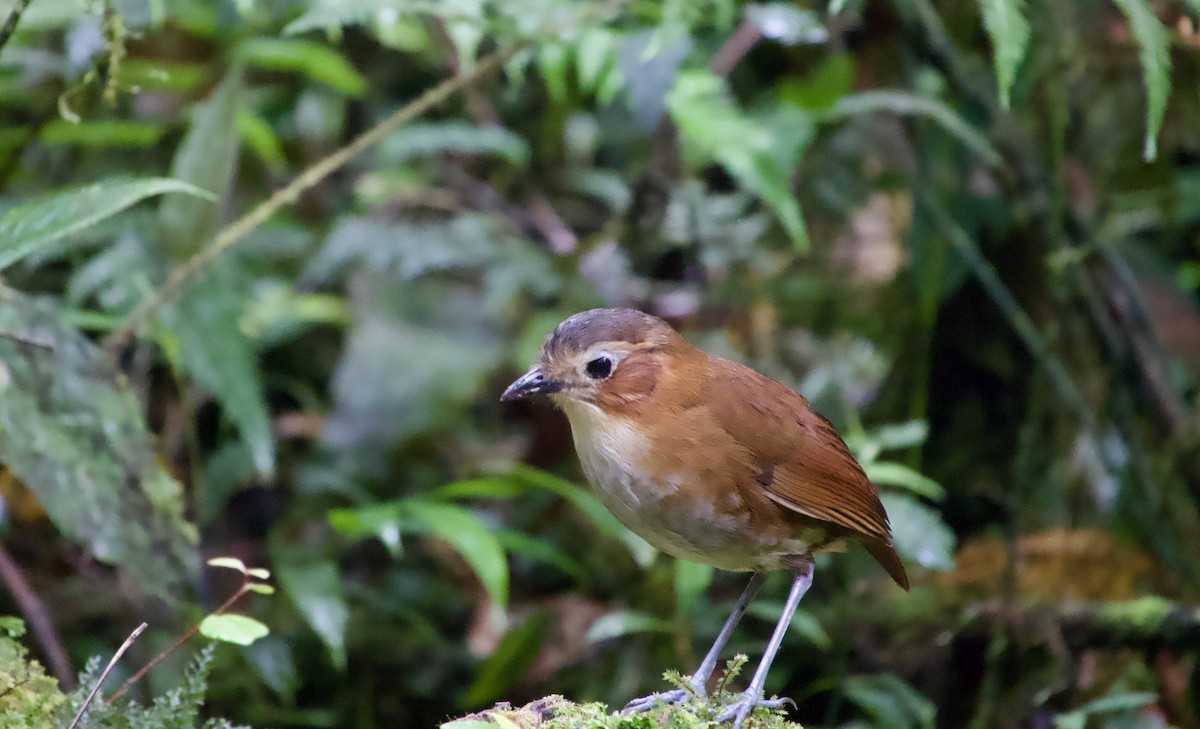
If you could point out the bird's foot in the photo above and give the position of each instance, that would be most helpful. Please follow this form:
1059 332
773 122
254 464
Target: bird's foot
746 703
667 698
664 698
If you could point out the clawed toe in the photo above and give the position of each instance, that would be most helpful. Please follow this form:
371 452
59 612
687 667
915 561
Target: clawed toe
746 703
646 703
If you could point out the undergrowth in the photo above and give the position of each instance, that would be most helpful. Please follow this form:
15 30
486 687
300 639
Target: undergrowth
556 712
29 699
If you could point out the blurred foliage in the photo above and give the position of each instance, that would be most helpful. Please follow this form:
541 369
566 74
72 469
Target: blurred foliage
968 231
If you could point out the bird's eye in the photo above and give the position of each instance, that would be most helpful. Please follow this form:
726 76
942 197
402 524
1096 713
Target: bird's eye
599 368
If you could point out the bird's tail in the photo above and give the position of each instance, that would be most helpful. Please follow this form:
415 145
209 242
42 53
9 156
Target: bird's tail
885 554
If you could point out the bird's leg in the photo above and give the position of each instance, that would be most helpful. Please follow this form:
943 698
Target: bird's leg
699 680
753 695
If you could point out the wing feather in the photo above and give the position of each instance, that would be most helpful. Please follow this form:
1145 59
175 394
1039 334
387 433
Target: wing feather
803 464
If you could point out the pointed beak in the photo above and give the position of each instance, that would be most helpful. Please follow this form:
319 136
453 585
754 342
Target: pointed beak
531 383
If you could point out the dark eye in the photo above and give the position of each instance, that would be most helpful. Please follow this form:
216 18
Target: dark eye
599 368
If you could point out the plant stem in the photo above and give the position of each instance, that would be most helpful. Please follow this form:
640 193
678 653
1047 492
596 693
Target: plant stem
178 642
100 681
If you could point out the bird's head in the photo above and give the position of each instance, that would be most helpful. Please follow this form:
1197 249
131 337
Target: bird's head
608 358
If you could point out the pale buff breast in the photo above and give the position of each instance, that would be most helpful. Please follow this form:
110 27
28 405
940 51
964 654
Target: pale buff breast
649 493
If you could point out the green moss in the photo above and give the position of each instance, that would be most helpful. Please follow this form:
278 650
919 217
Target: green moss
28 697
556 712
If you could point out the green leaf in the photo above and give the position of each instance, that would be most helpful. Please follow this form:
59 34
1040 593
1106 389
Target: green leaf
232 563
261 139
898 474
919 532
381 521
595 55
807 626
832 79
222 359
803 624
508 663
761 156
522 545
1009 30
1154 52
1117 703
319 62
480 488
34 225
469 537
237 629
907 104
315 588
468 724
72 432
207 157
890 702
900 435
625 622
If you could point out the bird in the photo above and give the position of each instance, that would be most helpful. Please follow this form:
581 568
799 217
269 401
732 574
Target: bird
708 460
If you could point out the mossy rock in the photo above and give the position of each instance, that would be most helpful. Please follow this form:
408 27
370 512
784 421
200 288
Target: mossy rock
556 712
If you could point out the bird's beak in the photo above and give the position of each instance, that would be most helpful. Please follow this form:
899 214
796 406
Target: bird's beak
532 382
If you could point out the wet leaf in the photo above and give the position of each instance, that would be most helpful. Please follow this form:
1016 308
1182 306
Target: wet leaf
919 532
222 360
206 158
73 433
35 224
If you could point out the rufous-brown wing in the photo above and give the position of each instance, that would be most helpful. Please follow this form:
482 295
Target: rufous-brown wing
802 463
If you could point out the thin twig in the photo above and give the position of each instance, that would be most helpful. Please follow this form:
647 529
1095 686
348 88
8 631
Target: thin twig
116 656
178 642
183 274
38 617
10 23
